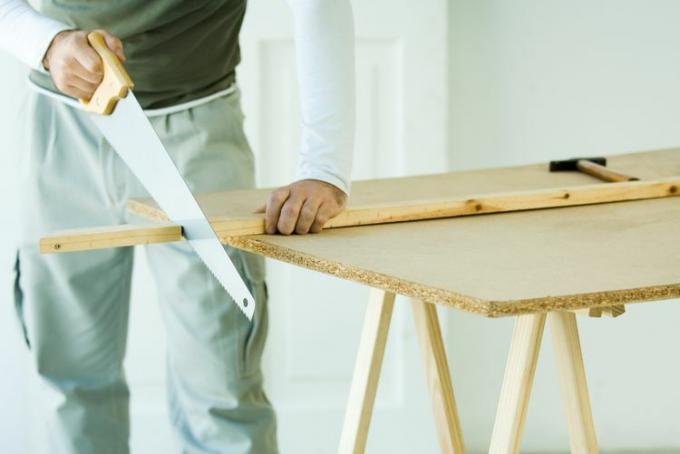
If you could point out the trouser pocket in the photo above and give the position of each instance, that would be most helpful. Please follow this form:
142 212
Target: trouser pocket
19 298
255 333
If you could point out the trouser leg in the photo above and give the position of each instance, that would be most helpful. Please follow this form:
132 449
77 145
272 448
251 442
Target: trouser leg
217 401
74 306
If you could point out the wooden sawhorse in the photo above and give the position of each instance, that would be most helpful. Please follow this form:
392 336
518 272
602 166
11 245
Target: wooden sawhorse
515 392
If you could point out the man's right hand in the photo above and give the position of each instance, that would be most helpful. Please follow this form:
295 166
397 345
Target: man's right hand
75 67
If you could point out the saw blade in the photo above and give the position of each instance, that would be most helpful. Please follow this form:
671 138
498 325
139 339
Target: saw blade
131 135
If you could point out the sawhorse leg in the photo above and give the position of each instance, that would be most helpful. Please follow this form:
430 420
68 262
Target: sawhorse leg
367 373
573 383
438 377
518 380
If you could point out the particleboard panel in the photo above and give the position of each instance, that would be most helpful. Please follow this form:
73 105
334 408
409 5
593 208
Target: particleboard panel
505 264
500 264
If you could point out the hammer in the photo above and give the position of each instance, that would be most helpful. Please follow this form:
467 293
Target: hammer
592 166
595 167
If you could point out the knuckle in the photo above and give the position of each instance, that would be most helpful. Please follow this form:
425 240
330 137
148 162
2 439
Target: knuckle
323 215
67 78
307 212
68 65
89 66
289 211
275 197
284 217
60 78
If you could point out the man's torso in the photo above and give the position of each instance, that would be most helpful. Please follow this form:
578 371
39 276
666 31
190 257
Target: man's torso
176 50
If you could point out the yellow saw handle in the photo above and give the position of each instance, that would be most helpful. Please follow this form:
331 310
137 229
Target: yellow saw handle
116 81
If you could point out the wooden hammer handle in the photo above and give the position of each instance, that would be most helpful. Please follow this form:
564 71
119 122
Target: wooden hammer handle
602 172
115 83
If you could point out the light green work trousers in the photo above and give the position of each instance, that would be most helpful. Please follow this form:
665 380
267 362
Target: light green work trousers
74 306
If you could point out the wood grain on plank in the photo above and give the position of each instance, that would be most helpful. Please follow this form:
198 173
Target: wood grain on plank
384 213
107 237
442 207
407 191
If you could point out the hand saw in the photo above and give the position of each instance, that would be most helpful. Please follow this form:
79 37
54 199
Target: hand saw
122 121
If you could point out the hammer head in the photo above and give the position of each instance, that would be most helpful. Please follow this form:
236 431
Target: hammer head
570 164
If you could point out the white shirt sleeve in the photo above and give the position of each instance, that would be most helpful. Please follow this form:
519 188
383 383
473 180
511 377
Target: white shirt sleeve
324 39
25 33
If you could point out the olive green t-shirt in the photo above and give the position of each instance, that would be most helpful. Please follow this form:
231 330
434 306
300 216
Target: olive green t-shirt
177 50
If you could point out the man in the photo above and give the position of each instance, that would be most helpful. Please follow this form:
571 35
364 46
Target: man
74 307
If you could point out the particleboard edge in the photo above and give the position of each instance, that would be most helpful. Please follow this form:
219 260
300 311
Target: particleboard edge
486 308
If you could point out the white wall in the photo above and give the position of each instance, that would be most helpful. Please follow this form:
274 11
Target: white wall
534 80
13 356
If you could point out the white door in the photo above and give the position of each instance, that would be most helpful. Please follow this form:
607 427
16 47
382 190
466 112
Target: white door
315 320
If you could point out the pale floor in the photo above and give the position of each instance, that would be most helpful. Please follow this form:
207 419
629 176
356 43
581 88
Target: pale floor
625 451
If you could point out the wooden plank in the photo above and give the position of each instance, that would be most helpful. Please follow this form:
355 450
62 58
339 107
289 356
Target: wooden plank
517 384
384 213
407 191
253 224
366 372
437 208
107 237
438 377
573 383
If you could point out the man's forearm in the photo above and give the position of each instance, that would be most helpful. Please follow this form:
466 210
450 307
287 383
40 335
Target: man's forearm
26 34
324 38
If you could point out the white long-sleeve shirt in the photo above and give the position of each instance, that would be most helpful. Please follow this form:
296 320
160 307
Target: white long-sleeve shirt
324 38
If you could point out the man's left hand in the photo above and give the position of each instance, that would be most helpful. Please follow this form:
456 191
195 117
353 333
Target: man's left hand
302 207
